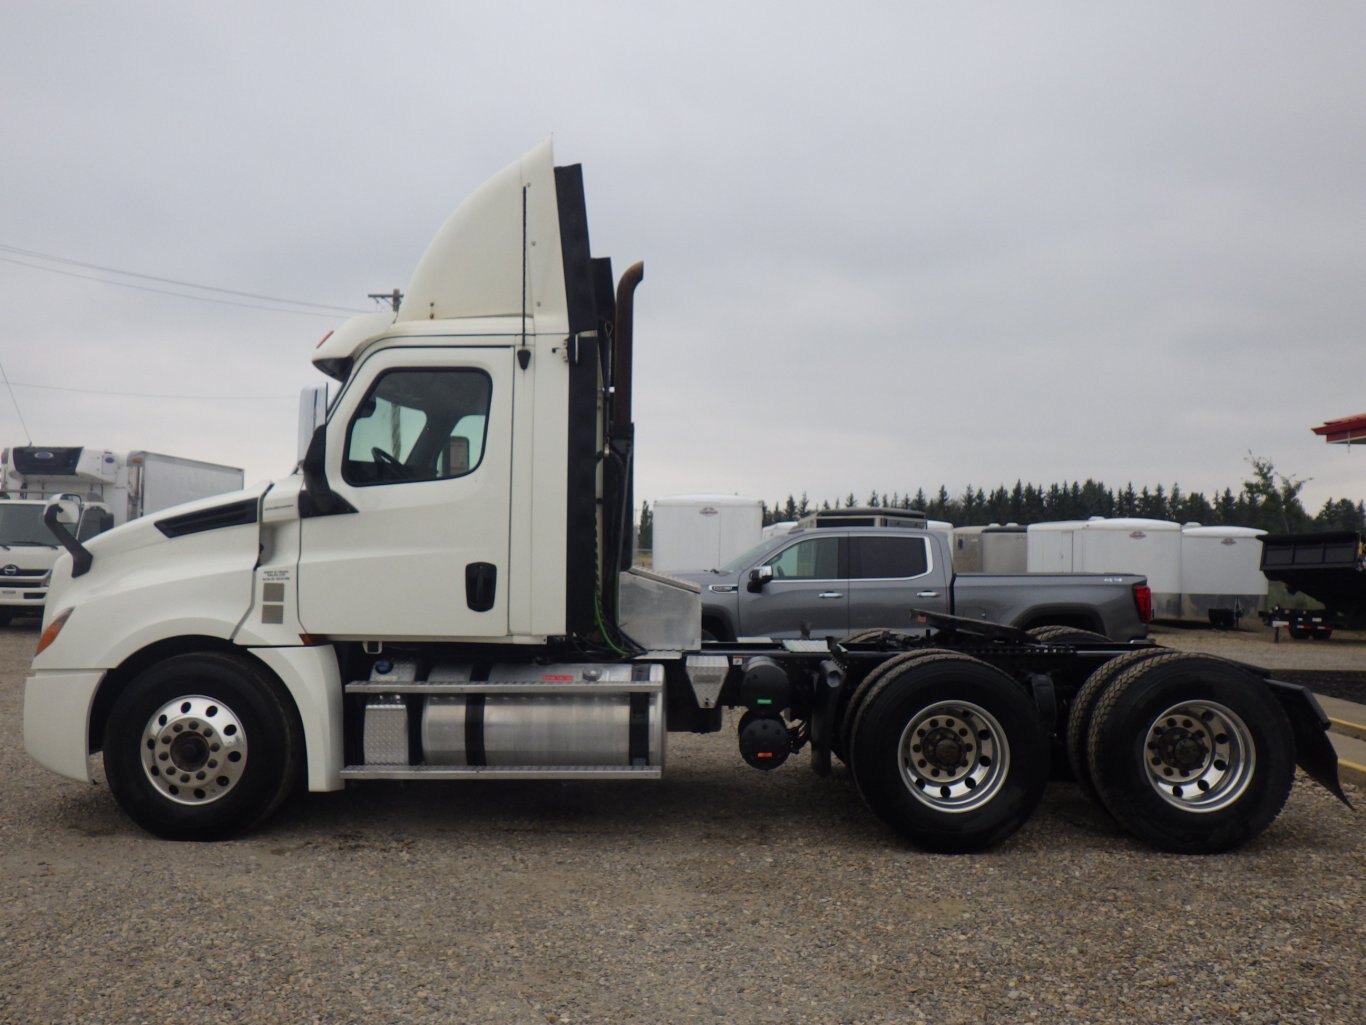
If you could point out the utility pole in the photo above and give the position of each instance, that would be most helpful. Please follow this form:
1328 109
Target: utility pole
392 298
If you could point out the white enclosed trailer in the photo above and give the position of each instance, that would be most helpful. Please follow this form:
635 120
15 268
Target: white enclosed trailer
704 531
1221 578
1048 547
1119 545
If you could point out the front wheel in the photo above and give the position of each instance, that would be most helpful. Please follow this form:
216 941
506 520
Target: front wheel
1190 753
949 752
200 747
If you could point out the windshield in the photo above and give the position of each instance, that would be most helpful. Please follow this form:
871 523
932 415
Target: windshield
757 552
23 525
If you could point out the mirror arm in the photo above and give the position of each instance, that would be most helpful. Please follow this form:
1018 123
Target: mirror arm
317 497
80 555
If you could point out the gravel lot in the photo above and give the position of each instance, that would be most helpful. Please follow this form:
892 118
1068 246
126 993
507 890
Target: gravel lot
719 895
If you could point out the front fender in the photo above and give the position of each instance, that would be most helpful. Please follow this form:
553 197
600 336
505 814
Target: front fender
313 678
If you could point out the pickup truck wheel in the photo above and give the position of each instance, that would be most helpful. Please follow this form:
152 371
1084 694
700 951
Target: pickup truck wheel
200 747
1190 753
948 751
841 739
1064 634
1084 704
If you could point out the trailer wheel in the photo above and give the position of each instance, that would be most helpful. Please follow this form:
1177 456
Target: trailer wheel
840 741
948 751
1084 704
1064 634
200 747
1191 753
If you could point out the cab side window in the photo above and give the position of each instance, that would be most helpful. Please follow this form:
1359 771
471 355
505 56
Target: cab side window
418 425
889 558
816 558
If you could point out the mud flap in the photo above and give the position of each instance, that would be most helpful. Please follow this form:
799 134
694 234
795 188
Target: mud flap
1313 750
825 704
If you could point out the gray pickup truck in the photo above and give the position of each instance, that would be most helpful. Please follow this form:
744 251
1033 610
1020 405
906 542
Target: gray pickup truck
833 577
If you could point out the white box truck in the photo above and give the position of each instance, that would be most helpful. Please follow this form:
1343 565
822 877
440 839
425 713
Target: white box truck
111 487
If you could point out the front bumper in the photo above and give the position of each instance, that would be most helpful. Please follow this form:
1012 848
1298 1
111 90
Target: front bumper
57 720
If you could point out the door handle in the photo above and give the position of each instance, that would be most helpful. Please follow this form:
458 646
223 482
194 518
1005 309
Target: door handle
927 594
830 594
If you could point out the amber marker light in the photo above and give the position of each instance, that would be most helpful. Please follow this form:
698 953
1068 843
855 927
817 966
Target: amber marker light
53 629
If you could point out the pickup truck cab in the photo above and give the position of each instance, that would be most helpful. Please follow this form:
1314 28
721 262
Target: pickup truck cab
841 573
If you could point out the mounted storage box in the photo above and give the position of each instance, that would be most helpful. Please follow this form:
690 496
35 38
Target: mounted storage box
704 531
1220 576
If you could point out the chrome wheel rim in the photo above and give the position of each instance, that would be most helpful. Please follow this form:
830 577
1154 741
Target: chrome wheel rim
194 750
954 756
1199 756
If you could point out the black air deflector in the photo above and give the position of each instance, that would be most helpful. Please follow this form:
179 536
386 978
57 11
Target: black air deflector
581 514
234 514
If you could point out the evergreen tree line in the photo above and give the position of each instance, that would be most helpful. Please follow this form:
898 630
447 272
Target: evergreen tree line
1268 500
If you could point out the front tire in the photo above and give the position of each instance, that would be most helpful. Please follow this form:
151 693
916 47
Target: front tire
1190 753
948 751
201 747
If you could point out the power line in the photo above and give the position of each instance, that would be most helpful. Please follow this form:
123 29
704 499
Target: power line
17 410
319 309
146 395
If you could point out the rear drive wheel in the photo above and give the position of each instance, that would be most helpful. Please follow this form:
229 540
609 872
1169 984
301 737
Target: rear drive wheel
200 747
948 751
1084 704
841 739
1190 753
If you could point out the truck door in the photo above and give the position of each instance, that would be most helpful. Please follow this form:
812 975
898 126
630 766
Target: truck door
807 586
889 576
419 445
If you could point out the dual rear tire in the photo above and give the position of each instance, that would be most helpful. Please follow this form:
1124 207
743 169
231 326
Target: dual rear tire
1189 753
947 750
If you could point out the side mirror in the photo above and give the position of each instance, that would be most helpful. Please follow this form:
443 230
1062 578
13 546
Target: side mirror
62 513
66 510
312 412
758 577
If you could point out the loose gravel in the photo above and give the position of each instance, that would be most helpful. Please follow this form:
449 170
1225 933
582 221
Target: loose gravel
721 894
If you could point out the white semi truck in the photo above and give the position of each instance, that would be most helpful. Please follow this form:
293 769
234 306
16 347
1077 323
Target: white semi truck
443 592
110 487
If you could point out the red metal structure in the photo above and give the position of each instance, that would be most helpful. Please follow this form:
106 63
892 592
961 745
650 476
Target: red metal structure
1346 431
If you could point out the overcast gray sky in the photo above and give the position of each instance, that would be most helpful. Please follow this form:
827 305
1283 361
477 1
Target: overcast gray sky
887 245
